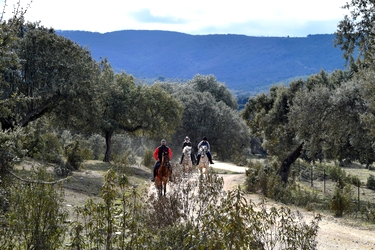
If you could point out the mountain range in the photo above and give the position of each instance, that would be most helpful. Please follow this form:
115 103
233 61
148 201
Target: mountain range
244 63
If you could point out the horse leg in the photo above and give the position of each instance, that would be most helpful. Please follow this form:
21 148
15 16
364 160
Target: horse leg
207 171
159 189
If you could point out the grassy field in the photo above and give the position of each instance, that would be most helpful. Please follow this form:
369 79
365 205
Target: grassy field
327 187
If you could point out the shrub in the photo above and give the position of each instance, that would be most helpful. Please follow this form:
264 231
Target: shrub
148 158
97 146
36 215
354 180
196 215
259 177
61 169
46 147
340 202
76 155
371 182
336 173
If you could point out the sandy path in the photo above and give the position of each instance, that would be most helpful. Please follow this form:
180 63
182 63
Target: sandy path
334 233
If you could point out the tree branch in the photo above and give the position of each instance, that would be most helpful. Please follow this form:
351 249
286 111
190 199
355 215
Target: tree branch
37 181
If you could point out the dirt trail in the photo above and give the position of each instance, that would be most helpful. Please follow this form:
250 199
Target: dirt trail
334 233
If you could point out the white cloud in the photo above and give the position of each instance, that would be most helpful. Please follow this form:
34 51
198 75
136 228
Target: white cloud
256 18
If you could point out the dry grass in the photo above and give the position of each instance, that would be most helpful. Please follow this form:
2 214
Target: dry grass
328 187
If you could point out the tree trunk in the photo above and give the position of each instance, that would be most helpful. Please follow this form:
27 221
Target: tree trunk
108 142
285 165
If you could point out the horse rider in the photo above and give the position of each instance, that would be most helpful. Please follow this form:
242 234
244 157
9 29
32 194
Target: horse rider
187 142
204 142
158 157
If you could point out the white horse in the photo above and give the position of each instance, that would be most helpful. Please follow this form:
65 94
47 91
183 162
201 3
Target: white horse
204 163
187 164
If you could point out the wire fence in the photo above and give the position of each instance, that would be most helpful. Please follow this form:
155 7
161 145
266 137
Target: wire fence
325 178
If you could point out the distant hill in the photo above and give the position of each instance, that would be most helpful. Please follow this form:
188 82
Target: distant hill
244 63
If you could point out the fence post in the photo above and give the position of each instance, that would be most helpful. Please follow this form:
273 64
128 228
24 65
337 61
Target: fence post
324 180
359 205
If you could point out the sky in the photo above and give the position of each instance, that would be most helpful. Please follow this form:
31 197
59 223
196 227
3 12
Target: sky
294 18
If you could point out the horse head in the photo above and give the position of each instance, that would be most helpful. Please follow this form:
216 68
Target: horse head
203 150
187 150
165 158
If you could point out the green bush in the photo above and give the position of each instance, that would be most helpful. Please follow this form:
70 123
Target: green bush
46 147
196 215
336 173
76 155
148 158
36 215
371 182
354 180
340 202
258 177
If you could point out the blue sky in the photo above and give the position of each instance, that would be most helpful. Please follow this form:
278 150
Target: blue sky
295 18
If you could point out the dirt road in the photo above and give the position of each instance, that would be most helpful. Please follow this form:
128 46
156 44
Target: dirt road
334 233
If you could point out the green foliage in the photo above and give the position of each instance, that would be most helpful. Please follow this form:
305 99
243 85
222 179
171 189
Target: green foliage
260 178
336 173
47 148
354 180
76 155
35 218
124 107
236 224
371 182
218 90
264 179
97 146
354 33
115 222
340 202
322 112
197 215
252 176
148 158
208 112
11 148
55 70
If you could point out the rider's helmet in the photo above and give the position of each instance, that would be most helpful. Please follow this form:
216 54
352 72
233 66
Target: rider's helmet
187 138
204 138
163 141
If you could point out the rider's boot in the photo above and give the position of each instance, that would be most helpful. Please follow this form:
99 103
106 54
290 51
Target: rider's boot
192 159
210 159
182 158
198 158
170 175
153 178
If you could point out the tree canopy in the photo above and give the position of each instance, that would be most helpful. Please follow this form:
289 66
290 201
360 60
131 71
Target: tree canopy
323 113
54 74
355 32
210 110
127 107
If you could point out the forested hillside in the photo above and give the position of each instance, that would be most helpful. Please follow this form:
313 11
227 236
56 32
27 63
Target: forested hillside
60 107
243 63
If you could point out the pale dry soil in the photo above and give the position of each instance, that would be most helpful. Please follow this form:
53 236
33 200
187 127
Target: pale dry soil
334 233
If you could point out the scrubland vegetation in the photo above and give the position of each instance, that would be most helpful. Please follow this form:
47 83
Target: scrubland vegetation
61 108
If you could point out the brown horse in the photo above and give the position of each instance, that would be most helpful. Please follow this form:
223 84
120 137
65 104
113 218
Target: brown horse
162 175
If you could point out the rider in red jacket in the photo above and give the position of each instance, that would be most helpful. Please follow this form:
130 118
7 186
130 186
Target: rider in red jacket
158 155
